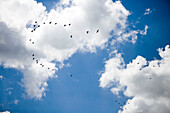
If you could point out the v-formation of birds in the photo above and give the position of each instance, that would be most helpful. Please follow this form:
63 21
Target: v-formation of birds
35 26
71 36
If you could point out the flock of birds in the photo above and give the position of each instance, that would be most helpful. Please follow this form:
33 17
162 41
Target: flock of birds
41 64
147 66
121 105
35 26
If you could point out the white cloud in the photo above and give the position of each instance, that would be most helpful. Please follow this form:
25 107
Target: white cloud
53 42
147 11
146 81
144 32
16 101
5 112
1 77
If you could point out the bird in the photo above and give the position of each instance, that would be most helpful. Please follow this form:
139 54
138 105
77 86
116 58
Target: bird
71 75
69 24
64 25
48 68
97 31
32 42
116 101
32 30
55 23
71 36
153 66
150 78
35 21
49 22
38 25
138 63
30 39
87 32
33 58
52 69
34 25
42 65
32 54
44 23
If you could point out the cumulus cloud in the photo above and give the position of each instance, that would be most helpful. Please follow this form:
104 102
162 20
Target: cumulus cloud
146 81
52 42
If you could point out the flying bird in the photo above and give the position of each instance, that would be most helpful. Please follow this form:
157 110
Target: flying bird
97 31
49 22
33 58
32 54
71 75
87 32
44 22
32 30
64 25
48 68
69 24
55 23
32 42
71 36
38 25
30 39
34 25
35 21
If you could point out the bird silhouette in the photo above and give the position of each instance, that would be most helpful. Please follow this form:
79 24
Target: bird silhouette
64 25
55 23
71 36
69 24
32 42
38 25
48 68
35 21
44 23
71 75
49 22
97 31
32 30
33 58
87 32
34 25
32 54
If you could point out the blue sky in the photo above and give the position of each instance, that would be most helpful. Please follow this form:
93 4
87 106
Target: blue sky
81 93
